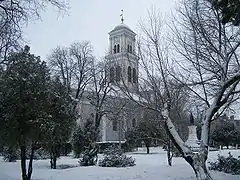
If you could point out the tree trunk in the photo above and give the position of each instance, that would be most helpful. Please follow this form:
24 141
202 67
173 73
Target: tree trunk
147 149
169 154
120 133
53 157
169 158
198 163
98 118
25 175
54 161
30 163
196 160
201 170
23 162
51 161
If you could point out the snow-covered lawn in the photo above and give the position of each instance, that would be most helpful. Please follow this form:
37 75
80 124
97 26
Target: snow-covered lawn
148 167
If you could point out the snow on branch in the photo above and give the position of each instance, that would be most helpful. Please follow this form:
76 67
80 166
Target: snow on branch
174 133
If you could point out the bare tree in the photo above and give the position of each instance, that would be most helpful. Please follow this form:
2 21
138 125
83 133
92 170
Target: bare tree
206 63
62 66
73 66
210 53
154 96
100 90
82 56
14 15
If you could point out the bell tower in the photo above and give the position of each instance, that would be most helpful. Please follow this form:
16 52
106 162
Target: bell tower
122 59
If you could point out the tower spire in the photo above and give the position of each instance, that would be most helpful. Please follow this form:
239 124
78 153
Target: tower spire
122 15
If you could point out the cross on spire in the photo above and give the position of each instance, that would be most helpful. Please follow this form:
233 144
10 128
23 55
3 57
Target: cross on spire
122 15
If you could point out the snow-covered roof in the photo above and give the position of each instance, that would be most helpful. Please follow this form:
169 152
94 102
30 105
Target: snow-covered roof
119 92
120 26
115 92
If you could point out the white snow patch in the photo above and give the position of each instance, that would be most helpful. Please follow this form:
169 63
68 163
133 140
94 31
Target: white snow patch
148 167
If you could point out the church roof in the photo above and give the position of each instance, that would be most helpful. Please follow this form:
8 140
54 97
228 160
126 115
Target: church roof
120 27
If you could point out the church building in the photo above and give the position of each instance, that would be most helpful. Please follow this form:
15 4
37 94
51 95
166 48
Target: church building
121 70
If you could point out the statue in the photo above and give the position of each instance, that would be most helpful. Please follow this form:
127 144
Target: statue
192 141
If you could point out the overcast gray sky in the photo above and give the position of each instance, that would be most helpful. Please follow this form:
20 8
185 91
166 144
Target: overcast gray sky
87 20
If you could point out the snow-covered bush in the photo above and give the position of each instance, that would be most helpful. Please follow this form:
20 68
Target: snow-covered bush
114 157
40 153
10 154
83 137
226 164
89 157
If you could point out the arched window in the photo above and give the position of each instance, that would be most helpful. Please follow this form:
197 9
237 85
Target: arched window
112 74
118 73
134 123
118 48
129 74
134 75
115 49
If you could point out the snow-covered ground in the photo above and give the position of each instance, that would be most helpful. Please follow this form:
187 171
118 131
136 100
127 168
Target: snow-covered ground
148 167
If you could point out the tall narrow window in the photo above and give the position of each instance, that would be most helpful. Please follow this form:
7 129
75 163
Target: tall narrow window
134 123
134 75
114 125
129 74
130 48
112 74
115 49
118 48
118 73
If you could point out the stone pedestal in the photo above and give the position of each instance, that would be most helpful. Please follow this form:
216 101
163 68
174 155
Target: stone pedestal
192 140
